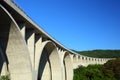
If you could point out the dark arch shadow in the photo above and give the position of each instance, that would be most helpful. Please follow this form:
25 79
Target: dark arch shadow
4 35
43 61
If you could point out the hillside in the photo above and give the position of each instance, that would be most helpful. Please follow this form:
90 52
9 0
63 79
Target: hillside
108 71
101 53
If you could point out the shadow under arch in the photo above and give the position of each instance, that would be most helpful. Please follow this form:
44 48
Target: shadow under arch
68 66
49 67
1 60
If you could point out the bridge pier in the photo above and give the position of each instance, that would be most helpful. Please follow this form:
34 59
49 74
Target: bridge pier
61 54
30 40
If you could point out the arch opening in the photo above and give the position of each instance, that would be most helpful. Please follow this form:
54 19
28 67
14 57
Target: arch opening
49 63
44 71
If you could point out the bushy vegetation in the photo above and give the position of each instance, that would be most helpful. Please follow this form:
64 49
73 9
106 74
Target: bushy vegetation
101 53
5 77
91 72
108 71
113 67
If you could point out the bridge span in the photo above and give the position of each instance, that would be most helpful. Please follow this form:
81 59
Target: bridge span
29 53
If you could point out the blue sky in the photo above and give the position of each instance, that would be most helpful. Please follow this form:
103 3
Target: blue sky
77 24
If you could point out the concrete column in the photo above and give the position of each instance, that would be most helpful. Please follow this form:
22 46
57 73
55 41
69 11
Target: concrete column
75 61
97 60
68 66
84 61
61 54
71 56
87 61
38 43
105 61
19 64
92 61
80 60
30 38
101 61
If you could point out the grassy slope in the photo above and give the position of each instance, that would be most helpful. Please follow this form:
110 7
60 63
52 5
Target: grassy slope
101 53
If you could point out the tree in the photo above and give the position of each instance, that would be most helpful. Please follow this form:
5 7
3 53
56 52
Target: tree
112 68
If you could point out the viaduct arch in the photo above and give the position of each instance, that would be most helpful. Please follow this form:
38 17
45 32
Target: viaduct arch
29 53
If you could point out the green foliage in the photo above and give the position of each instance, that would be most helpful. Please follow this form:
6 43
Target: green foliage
91 72
101 53
112 68
108 71
5 77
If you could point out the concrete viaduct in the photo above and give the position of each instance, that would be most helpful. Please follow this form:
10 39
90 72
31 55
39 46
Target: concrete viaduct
29 53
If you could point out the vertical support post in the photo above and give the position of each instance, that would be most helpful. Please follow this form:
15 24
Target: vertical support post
17 53
38 42
30 38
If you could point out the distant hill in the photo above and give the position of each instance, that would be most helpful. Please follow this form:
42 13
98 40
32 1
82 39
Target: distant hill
101 53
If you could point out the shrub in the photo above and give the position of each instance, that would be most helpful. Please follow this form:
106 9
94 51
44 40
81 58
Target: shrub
6 77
